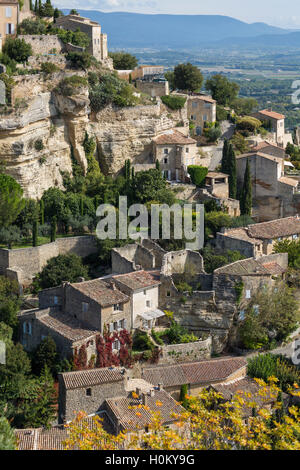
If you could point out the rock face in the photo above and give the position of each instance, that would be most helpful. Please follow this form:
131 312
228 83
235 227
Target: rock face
37 136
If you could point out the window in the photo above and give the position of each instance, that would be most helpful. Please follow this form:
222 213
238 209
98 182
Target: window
279 239
187 150
207 106
248 294
116 345
8 12
10 28
115 325
195 104
165 161
27 328
85 307
193 118
111 327
295 237
166 151
205 117
145 292
242 315
55 300
148 303
168 294
88 392
118 307
121 323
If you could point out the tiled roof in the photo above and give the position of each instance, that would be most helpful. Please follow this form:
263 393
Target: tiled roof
138 279
214 174
252 266
66 326
101 292
275 228
206 98
260 154
242 234
5 2
173 137
203 372
289 181
130 419
87 378
272 114
264 145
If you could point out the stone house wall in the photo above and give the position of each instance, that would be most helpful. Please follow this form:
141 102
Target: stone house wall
73 401
153 88
201 111
183 261
224 242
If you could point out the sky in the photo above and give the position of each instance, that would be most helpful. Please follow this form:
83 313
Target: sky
275 12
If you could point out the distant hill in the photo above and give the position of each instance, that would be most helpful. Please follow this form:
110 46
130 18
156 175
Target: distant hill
133 30
270 41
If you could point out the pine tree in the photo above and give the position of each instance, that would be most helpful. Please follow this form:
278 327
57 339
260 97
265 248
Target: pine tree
35 230
7 435
53 229
232 172
246 195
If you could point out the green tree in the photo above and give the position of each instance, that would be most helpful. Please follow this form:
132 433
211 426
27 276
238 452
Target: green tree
17 49
146 185
10 235
47 9
123 60
11 200
35 231
42 212
198 174
170 76
222 90
45 355
61 268
232 180
7 435
53 229
187 77
246 194
183 394
225 157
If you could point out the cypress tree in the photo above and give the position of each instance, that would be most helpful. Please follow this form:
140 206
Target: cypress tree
40 8
30 5
157 165
53 229
183 394
246 195
232 172
81 206
42 212
35 229
224 163
36 7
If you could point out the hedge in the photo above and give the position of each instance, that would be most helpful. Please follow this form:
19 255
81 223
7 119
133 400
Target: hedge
197 173
174 102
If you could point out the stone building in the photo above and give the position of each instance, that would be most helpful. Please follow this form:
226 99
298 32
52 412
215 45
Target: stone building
276 123
9 17
175 152
201 109
73 314
258 239
153 87
143 289
274 195
98 44
196 375
147 71
216 188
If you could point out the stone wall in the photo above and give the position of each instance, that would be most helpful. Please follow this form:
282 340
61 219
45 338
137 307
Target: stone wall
29 261
153 88
183 261
58 59
144 255
224 242
187 352
43 44
73 401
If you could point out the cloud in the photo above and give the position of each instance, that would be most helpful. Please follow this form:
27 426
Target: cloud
145 6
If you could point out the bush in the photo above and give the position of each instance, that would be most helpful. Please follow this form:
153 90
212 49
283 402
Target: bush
248 125
48 68
38 145
61 268
70 85
270 365
17 49
177 334
110 89
174 102
80 60
123 60
198 174
141 342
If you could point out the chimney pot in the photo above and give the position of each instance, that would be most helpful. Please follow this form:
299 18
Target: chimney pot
145 399
160 386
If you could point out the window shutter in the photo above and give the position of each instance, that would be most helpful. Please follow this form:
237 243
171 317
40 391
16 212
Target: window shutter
111 327
125 324
24 327
12 28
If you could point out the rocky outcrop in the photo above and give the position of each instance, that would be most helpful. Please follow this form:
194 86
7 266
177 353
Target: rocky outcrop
37 136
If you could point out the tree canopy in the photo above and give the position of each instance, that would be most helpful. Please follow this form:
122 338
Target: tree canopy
222 90
61 268
11 200
187 77
123 60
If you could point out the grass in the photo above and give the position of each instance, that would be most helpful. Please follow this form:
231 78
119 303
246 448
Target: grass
27 242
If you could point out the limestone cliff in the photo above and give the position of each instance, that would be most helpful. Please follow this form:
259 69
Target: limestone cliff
37 134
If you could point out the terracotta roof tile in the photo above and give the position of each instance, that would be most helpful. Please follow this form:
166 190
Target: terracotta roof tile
86 378
288 181
173 137
161 403
264 266
138 279
66 326
275 228
271 114
99 291
215 370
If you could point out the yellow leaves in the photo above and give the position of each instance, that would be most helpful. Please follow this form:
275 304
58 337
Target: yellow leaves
158 403
134 395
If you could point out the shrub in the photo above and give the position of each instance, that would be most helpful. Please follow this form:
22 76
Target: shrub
110 89
70 85
80 60
174 102
141 342
270 365
17 49
248 125
177 334
197 173
123 60
48 68
38 145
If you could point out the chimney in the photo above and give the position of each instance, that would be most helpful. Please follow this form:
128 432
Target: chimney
145 399
112 284
152 392
160 387
81 279
270 109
